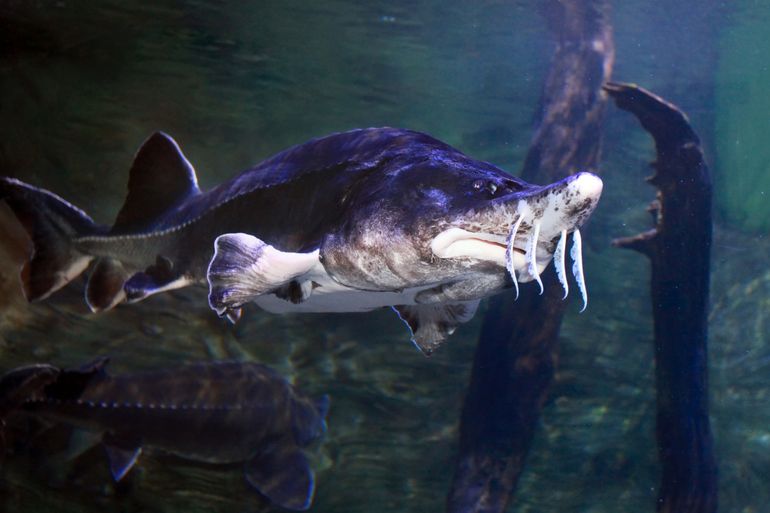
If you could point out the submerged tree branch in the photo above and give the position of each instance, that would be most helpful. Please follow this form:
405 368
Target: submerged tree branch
680 254
516 354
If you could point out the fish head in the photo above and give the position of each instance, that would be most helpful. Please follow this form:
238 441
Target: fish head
435 216
517 229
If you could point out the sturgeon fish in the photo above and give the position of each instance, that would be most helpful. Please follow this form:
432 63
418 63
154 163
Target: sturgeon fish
354 221
224 412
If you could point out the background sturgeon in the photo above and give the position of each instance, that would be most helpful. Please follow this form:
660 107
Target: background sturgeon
348 222
219 412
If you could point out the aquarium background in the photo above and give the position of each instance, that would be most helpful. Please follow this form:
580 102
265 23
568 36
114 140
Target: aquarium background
82 84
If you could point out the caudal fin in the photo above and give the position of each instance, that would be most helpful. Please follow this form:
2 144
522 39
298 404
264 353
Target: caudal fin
40 382
52 224
24 383
161 179
18 386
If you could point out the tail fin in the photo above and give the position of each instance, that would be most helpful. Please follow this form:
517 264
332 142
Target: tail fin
52 224
161 178
19 385
42 381
24 383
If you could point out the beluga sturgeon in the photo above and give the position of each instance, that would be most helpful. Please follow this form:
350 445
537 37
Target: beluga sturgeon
350 222
213 412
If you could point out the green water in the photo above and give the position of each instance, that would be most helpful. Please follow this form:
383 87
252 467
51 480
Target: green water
82 84
743 74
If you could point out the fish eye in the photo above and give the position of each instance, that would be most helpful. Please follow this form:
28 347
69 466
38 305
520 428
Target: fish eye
490 187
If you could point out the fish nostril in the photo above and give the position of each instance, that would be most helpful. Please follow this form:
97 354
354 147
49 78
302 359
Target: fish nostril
510 186
490 187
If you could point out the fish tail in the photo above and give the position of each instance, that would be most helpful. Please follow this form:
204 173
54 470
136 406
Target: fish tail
40 382
43 381
52 224
160 180
22 384
18 386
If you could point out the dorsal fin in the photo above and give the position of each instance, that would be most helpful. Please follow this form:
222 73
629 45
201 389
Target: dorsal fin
160 178
71 383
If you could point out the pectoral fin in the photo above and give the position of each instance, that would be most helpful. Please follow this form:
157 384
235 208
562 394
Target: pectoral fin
431 324
122 453
282 474
244 267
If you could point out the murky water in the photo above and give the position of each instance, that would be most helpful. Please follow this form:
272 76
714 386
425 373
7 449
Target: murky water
82 85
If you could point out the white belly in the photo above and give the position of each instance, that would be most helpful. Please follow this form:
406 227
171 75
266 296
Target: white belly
331 296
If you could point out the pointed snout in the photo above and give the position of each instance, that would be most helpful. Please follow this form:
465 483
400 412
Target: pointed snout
564 205
580 186
583 186
586 185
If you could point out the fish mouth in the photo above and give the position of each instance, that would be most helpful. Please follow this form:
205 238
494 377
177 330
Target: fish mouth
536 230
456 243
459 243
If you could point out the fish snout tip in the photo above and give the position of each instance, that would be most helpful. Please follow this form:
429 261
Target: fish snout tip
588 184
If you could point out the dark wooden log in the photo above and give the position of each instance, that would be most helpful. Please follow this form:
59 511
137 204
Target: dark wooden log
516 354
679 249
